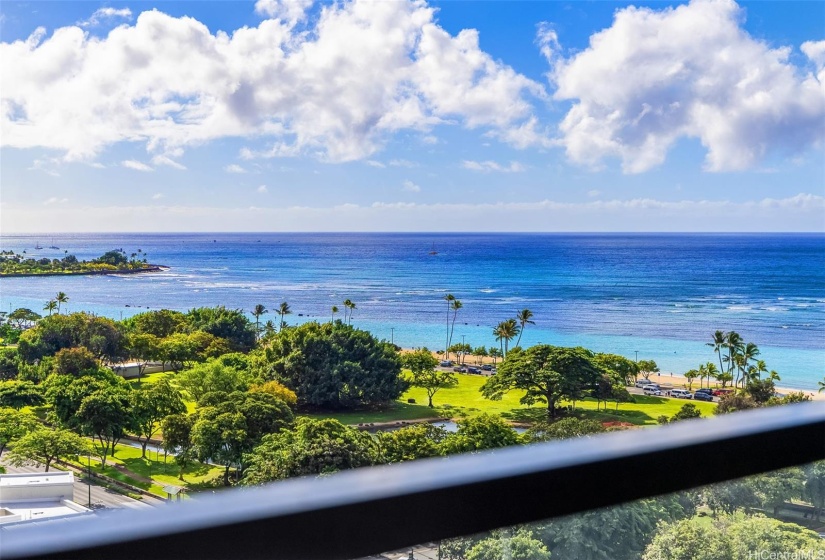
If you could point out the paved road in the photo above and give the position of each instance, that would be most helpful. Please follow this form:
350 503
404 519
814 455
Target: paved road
100 495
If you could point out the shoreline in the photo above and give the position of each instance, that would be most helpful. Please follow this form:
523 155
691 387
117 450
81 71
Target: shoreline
150 268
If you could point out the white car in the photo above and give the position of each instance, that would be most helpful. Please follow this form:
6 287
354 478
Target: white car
653 390
681 394
644 383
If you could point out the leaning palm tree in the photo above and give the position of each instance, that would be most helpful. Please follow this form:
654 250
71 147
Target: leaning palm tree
524 318
334 311
449 298
283 310
257 313
347 305
702 372
61 297
711 372
821 386
718 344
455 305
51 306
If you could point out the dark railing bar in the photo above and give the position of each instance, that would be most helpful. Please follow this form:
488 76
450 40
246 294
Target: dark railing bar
365 511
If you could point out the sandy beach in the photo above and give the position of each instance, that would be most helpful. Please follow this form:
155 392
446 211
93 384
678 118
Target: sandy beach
662 378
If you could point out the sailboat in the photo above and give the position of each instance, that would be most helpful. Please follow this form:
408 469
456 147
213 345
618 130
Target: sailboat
53 246
433 252
37 246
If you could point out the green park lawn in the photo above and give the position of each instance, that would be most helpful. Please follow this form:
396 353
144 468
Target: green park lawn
466 400
152 473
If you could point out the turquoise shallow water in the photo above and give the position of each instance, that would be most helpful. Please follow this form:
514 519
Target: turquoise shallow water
660 295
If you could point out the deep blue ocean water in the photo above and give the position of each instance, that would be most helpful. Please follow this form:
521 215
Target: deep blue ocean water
662 295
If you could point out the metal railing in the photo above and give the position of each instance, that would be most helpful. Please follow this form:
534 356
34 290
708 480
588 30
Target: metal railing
366 511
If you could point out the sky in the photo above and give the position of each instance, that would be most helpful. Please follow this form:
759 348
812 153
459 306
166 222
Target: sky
400 115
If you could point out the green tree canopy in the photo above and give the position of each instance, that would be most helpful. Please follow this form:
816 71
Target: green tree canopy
413 442
101 336
9 363
43 445
177 439
160 323
74 361
484 431
65 393
105 415
311 447
14 424
17 394
565 428
546 373
229 324
521 546
211 377
150 406
335 366
422 365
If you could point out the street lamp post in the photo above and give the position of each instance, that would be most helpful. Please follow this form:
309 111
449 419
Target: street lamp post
392 335
89 477
637 356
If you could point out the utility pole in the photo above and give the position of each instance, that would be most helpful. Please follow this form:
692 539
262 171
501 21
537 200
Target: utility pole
392 335
637 356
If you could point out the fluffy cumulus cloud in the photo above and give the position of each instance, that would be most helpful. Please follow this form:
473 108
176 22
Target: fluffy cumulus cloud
106 14
656 76
335 89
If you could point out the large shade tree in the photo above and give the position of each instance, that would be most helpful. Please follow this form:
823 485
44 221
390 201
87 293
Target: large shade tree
335 366
546 373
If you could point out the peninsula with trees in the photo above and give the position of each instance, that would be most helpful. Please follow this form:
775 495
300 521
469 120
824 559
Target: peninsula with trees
115 261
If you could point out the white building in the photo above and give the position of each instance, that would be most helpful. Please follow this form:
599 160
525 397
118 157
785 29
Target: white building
36 496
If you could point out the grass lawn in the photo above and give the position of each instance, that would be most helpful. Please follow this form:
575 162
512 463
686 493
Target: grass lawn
154 378
466 400
151 474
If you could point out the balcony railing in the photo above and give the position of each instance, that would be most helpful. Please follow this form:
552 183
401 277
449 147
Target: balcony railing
366 511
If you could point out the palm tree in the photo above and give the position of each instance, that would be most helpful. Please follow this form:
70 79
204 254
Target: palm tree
718 343
505 332
283 310
455 305
702 372
449 298
349 304
821 386
257 313
269 328
334 311
711 372
61 297
523 317
734 344
51 306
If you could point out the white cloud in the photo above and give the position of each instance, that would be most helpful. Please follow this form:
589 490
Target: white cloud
290 11
262 189
488 166
234 168
374 163
55 200
402 163
164 160
136 165
691 71
593 193
171 83
106 14
157 196
409 186
802 212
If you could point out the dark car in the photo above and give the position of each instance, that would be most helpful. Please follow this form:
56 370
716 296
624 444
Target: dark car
702 396
473 370
460 369
705 390
487 367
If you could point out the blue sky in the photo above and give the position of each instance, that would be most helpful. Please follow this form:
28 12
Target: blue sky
412 116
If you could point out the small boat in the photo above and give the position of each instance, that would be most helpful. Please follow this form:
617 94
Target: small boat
53 246
433 251
38 246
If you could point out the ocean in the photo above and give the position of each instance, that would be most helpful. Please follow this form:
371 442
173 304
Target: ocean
655 296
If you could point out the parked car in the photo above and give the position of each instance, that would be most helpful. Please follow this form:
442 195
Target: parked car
460 369
653 390
702 396
681 394
487 367
642 383
446 363
473 370
721 392
493 371
705 390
